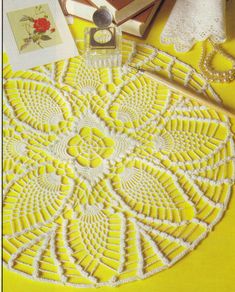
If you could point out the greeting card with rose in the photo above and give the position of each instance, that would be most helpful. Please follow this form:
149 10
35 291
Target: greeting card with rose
36 33
34 28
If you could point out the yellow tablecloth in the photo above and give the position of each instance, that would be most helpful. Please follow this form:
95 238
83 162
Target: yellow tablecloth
211 266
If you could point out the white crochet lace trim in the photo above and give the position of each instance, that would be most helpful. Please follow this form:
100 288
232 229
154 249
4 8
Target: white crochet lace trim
191 21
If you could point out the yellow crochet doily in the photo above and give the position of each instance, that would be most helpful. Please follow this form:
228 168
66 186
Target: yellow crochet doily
108 176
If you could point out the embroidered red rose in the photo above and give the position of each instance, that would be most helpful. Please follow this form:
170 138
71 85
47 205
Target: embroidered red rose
41 24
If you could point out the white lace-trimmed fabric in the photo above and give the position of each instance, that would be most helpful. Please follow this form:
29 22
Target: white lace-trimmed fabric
191 21
108 176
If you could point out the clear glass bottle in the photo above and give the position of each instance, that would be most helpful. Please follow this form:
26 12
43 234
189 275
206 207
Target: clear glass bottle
103 43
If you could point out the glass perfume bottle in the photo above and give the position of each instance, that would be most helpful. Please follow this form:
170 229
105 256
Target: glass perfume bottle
103 43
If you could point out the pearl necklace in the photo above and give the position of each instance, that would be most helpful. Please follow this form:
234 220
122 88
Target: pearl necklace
209 72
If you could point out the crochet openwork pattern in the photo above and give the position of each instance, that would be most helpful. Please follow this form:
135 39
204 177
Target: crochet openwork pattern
108 176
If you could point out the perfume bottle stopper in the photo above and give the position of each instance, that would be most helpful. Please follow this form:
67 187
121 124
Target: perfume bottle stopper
102 17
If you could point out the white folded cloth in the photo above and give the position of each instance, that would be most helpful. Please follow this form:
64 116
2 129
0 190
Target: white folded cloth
195 20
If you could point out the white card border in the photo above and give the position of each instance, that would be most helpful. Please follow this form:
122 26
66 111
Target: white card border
66 49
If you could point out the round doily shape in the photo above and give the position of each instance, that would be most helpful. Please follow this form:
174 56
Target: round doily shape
108 176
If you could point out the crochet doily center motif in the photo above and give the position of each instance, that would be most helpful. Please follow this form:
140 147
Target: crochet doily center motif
90 147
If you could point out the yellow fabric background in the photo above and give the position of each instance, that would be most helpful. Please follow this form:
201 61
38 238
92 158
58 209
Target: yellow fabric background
211 267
